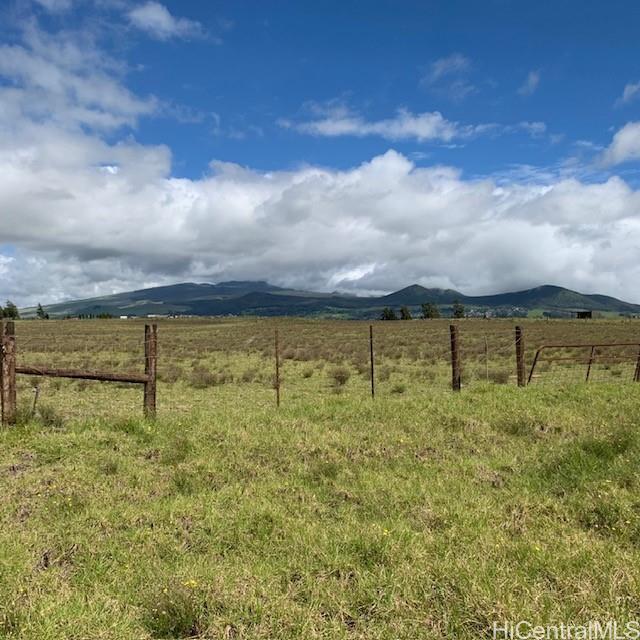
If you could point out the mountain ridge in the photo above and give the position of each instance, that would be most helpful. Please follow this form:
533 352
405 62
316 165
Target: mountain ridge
247 297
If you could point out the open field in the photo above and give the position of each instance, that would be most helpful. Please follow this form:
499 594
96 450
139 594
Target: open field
318 358
423 513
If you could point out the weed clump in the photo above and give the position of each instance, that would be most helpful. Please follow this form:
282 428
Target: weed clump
201 378
49 417
339 376
177 611
499 376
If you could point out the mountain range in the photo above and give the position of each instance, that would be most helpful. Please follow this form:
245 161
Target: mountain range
263 299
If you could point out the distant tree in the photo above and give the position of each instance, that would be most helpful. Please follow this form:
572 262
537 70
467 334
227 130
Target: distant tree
11 311
388 314
41 314
405 314
457 309
430 310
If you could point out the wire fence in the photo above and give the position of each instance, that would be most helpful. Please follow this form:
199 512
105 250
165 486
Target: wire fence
203 363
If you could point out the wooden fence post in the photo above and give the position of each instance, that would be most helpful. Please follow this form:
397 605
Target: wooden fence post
8 372
277 354
150 369
520 368
636 376
373 376
456 379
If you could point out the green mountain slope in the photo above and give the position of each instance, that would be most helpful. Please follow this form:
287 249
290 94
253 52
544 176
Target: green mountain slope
261 298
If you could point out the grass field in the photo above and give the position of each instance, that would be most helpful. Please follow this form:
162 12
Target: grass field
421 514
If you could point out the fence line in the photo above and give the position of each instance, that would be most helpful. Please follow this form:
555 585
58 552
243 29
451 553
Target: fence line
472 352
9 370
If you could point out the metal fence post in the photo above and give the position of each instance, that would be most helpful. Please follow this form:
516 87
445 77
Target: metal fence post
373 378
456 379
150 369
277 354
8 372
520 368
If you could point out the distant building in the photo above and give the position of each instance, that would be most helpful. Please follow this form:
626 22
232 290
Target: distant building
583 315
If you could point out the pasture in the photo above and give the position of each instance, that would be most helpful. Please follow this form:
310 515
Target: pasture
421 514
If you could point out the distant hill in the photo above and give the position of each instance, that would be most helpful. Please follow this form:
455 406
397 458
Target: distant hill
263 299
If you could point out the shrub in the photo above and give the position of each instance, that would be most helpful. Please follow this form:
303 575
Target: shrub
398 387
249 375
339 376
307 372
171 374
383 374
201 378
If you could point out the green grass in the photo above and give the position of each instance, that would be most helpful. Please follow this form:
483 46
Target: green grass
411 516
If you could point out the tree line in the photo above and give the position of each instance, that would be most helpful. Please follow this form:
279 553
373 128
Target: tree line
429 311
10 312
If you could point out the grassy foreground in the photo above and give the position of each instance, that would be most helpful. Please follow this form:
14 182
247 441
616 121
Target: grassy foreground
400 518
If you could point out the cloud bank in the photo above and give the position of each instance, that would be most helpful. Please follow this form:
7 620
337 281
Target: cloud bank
86 210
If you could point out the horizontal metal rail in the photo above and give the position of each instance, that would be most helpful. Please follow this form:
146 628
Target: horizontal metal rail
592 356
132 378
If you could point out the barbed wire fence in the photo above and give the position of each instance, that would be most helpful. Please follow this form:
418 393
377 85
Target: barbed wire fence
111 368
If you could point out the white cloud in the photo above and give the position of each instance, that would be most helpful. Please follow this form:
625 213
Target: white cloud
335 119
530 84
80 230
341 121
156 20
631 92
625 145
453 64
448 77
66 80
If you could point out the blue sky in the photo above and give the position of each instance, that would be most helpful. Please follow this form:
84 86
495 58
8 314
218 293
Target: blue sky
352 145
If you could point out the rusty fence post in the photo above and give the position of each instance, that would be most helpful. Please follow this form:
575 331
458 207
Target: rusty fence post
277 355
373 377
520 368
8 372
456 379
150 369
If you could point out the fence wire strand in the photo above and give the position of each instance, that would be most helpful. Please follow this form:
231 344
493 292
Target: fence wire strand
203 363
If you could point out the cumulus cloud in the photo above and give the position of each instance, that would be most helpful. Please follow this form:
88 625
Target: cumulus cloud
530 84
156 20
631 92
80 230
625 145
85 213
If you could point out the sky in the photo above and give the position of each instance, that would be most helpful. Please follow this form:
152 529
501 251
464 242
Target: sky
330 145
